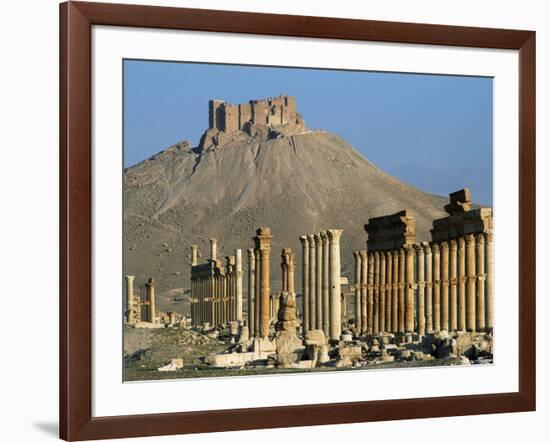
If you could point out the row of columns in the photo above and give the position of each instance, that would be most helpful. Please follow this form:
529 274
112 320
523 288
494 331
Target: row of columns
426 287
138 310
216 290
321 289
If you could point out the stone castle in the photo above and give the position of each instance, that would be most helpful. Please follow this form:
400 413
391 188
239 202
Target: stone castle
265 119
275 111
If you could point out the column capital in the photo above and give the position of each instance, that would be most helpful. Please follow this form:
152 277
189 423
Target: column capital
426 247
304 240
488 236
444 246
480 240
250 254
452 244
317 238
371 258
311 240
435 248
470 240
363 254
419 249
334 235
356 254
323 235
130 278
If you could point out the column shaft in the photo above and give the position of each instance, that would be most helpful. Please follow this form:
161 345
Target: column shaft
370 294
364 287
461 313
319 282
376 321
470 284
480 283
453 316
444 247
382 297
489 263
357 262
436 310
409 301
312 281
395 292
401 306
305 284
335 328
421 281
251 284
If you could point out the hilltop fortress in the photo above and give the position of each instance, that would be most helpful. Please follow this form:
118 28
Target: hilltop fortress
269 118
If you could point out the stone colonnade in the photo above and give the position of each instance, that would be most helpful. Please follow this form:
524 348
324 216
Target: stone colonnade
402 286
137 308
321 290
216 289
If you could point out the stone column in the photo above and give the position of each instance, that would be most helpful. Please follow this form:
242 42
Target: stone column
376 320
239 285
480 283
312 280
152 310
436 309
284 272
364 286
319 281
370 294
257 290
461 285
428 303
291 270
130 315
335 326
388 302
382 296
421 290
444 250
326 284
489 263
213 249
194 255
409 297
263 243
395 292
401 306
357 261
453 317
305 284
470 284
251 284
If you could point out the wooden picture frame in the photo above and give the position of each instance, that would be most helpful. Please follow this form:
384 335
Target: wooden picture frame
76 421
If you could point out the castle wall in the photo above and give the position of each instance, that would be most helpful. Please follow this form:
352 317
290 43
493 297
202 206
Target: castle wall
227 117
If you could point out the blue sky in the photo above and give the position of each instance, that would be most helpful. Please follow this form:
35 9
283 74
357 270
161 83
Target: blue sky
432 131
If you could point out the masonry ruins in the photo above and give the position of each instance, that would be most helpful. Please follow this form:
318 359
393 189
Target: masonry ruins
269 118
412 301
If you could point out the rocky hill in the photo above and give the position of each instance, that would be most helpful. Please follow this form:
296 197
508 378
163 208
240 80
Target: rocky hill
295 184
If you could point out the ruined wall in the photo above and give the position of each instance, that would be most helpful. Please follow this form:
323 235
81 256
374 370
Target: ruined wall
227 117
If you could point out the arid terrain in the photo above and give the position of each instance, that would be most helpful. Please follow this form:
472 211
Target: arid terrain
295 185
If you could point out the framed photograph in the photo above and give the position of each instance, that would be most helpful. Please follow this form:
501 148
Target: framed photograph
275 220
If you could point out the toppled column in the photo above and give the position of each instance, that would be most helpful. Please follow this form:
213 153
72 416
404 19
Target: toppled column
238 285
130 309
421 314
263 245
152 308
364 287
326 285
357 260
453 299
305 284
444 248
312 281
470 284
409 296
480 283
319 281
489 283
335 326
251 286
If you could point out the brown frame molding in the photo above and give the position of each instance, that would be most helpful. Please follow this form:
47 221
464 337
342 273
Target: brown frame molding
76 20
